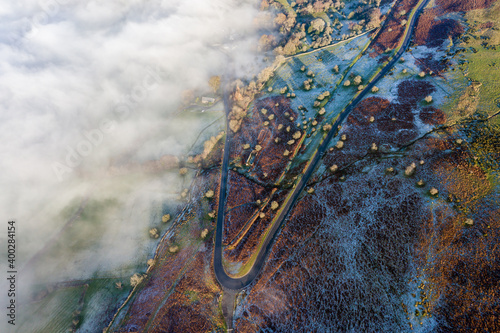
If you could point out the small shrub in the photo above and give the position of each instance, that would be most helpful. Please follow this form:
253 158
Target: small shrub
410 170
204 233
136 279
153 233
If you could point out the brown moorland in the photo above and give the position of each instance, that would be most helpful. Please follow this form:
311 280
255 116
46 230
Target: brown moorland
385 231
393 29
241 204
449 6
432 31
263 163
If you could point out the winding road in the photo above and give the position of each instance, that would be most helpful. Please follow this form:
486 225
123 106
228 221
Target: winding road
232 283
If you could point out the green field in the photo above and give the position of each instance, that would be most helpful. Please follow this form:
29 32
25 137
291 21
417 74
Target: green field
54 313
483 56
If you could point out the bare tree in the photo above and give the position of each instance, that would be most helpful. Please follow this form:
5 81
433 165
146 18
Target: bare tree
280 19
317 25
267 42
214 83
375 20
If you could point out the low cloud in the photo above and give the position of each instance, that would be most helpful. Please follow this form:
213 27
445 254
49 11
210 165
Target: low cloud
86 83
